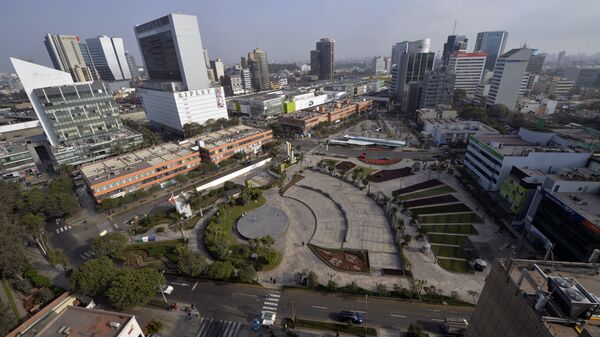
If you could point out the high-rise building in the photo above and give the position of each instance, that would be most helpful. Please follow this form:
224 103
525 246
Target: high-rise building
560 61
246 79
259 69
537 298
133 67
233 84
410 62
455 43
322 59
171 47
210 71
80 120
509 74
468 70
218 69
536 62
437 88
387 63
65 54
493 43
180 91
378 65
87 58
108 56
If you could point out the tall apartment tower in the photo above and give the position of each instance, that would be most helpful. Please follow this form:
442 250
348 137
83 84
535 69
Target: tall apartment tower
378 65
218 69
536 62
468 70
259 69
410 62
493 44
80 120
509 73
180 91
65 54
108 56
436 88
133 67
560 61
171 47
455 43
321 59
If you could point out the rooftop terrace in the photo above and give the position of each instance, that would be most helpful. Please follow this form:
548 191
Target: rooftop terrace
86 322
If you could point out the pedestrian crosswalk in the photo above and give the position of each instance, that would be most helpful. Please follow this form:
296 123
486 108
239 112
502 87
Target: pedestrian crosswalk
212 328
271 302
63 229
87 255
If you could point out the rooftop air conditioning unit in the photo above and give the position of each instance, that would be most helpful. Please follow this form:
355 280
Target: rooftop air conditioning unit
572 298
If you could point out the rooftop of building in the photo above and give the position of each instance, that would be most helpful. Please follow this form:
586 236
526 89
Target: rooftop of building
579 133
226 136
302 115
12 147
586 204
336 105
115 167
456 124
122 133
86 322
523 143
570 288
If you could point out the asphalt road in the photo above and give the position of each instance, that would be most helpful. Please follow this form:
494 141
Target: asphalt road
244 303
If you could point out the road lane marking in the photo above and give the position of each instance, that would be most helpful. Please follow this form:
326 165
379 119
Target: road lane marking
70 227
57 231
274 295
195 285
269 308
437 319
362 312
318 307
180 284
399 316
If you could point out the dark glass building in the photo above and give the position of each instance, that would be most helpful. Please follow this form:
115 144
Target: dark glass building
493 44
321 59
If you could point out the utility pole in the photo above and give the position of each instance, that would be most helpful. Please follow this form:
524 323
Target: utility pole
161 288
366 308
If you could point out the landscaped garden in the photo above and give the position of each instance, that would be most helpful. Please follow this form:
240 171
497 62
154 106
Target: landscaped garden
449 251
438 190
385 175
417 187
449 218
221 244
459 266
452 208
162 254
343 259
445 239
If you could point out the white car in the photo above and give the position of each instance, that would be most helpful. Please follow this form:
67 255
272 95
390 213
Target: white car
268 318
167 290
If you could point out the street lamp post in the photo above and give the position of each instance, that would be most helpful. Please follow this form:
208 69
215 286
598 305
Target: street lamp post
366 308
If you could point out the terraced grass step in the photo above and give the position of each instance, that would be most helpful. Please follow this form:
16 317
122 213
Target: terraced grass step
466 229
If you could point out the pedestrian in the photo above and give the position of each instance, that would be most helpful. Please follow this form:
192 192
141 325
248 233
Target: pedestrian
302 243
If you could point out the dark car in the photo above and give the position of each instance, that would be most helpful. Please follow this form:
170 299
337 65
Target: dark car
351 316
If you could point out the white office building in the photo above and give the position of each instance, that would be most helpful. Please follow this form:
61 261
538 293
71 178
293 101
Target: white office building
468 70
108 56
449 131
509 80
179 90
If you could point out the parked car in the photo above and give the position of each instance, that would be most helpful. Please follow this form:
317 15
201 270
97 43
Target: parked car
351 316
268 318
454 325
167 290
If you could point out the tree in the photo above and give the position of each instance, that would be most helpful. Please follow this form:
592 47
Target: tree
33 201
12 257
220 270
33 223
93 277
191 263
271 256
459 97
313 280
111 244
414 331
498 111
473 294
229 185
247 274
472 112
332 285
239 155
56 257
192 129
7 319
133 287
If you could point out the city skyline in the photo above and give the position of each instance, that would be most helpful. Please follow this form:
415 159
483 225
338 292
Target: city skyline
229 35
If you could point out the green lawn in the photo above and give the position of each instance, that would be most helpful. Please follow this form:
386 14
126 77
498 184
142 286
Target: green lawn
452 208
466 229
444 189
448 251
457 266
336 327
459 240
469 217
361 171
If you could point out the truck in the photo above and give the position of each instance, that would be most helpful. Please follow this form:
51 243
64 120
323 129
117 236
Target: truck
455 325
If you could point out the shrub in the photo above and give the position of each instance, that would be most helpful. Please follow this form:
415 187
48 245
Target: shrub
247 274
352 287
332 285
153 327
382 290
38 280
220 270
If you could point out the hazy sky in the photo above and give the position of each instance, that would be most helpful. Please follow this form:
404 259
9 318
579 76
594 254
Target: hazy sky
288 29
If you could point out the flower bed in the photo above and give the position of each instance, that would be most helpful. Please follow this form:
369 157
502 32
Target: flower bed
440 199
417 187
381 162
344 259
385 175
345 166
